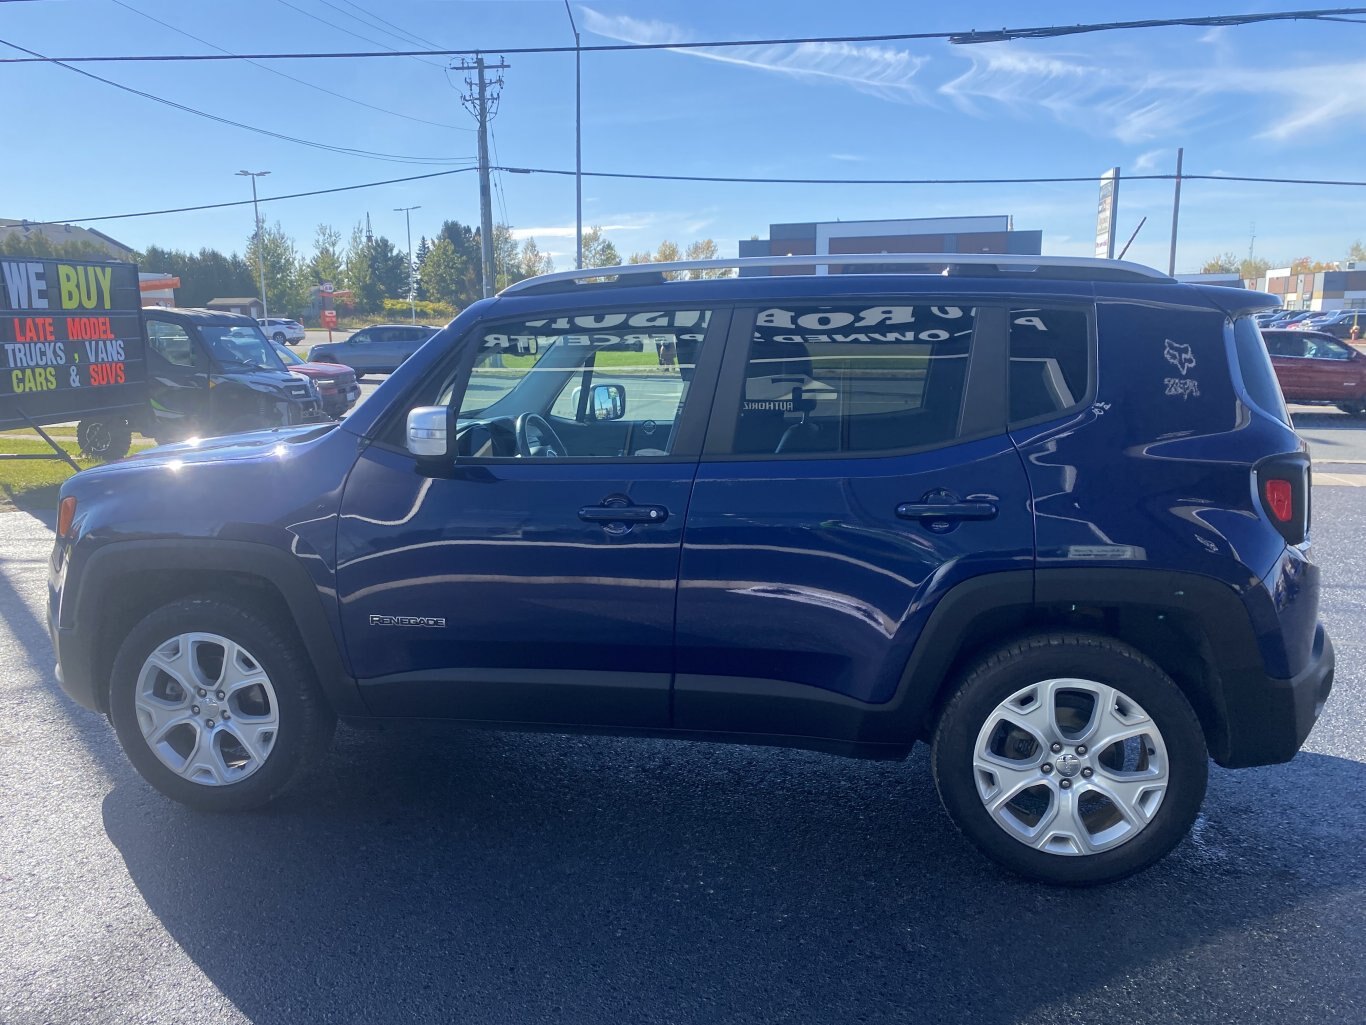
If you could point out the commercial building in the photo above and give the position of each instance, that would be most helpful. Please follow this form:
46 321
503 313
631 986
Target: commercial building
1343 289
60 234
915 235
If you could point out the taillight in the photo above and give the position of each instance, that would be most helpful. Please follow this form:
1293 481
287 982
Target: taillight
1279 499
66 516
1283 485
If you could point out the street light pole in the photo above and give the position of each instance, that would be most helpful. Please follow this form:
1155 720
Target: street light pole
260 263
407 212
578 142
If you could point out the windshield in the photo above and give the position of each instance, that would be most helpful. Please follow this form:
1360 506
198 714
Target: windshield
288 356
240 345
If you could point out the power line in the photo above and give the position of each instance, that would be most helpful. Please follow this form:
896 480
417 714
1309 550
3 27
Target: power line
348 151
700 178
389 51
398 30
281 74
245 202
958 37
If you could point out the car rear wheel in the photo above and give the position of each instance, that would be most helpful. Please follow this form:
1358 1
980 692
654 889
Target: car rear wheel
215 706
278 336
1356 409
1071 759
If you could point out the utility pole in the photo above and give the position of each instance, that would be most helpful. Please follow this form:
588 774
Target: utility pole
482 102
260 263
1176 212
578 142
407 212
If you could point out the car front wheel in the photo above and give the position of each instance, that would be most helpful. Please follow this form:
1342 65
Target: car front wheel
215 706
1071 759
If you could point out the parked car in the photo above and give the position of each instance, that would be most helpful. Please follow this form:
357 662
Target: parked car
1315 367
1053 523
286 332
1295 317
336 385
1265 319
380 349
1338 323
208 373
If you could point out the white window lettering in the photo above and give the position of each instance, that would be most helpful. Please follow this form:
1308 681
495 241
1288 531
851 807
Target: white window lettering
947 312
1035 322
775 318
826 319
887 315
649 320
934 334
600 320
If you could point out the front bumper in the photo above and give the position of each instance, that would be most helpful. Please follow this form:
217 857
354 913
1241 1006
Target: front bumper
1269 719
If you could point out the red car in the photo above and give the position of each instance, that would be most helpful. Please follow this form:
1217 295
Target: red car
1316 367
336 383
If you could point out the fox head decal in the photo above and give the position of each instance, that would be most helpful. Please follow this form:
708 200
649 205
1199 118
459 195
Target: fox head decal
1179 355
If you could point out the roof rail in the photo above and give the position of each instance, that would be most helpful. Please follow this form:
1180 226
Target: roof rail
922 263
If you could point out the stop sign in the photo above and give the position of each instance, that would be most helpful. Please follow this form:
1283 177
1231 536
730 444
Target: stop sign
329 319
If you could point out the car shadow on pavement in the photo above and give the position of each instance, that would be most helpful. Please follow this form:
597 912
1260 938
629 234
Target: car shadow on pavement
518 878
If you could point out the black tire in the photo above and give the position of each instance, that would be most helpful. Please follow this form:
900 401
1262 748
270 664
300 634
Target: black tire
278 336
1000 675
1356 409
105 440
305 721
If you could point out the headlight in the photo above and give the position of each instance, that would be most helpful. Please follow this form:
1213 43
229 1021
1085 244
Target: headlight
325 382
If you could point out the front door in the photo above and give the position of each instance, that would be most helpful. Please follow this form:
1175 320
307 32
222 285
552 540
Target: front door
857 468
533 578
177 379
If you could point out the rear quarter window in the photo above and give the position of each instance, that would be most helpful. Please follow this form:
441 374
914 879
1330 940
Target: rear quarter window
1254 366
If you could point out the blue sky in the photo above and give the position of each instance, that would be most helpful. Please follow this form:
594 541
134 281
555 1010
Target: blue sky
1273 100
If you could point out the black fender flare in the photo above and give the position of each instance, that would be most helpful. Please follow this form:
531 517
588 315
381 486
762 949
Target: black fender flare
99 584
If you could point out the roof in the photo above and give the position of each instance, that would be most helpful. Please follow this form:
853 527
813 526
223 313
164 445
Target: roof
61 234
202 316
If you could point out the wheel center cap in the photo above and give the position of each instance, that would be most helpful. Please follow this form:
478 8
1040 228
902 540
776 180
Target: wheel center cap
1068 765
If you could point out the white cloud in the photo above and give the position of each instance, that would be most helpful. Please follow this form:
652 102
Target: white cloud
1147 161
568 230
880 71
850 157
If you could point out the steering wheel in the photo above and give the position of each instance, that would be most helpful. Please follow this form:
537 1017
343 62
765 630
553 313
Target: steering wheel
548 443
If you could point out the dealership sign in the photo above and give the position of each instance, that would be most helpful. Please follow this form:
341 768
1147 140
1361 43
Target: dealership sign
1105 215
71 339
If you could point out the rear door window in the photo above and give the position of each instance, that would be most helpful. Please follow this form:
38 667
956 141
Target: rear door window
864 377
1050 361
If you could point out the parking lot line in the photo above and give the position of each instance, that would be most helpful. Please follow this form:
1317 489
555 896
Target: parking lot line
1341 480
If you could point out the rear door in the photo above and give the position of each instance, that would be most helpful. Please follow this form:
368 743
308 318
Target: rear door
856 469
177 377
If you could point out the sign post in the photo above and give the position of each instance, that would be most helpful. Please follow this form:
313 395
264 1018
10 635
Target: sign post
1105 215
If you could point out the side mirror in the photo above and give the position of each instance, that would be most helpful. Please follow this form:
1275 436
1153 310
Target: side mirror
429 432
609 401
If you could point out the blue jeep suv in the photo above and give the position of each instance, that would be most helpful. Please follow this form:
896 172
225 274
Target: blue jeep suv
1047 515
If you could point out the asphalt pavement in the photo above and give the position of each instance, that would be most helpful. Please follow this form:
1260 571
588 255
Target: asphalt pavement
513 878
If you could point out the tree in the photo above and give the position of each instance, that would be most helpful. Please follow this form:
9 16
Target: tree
360 274
423 248
705 249
1307 265
666 253
204 276
598 251
286 291
441 274
390 269
1251 269
533 261
326 264
1224 263
1357 251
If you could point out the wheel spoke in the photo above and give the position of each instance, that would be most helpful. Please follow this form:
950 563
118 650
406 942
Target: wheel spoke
1135 795
205 763
240 670
1062 831
256 737
1115 719
1009 778
1035 709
